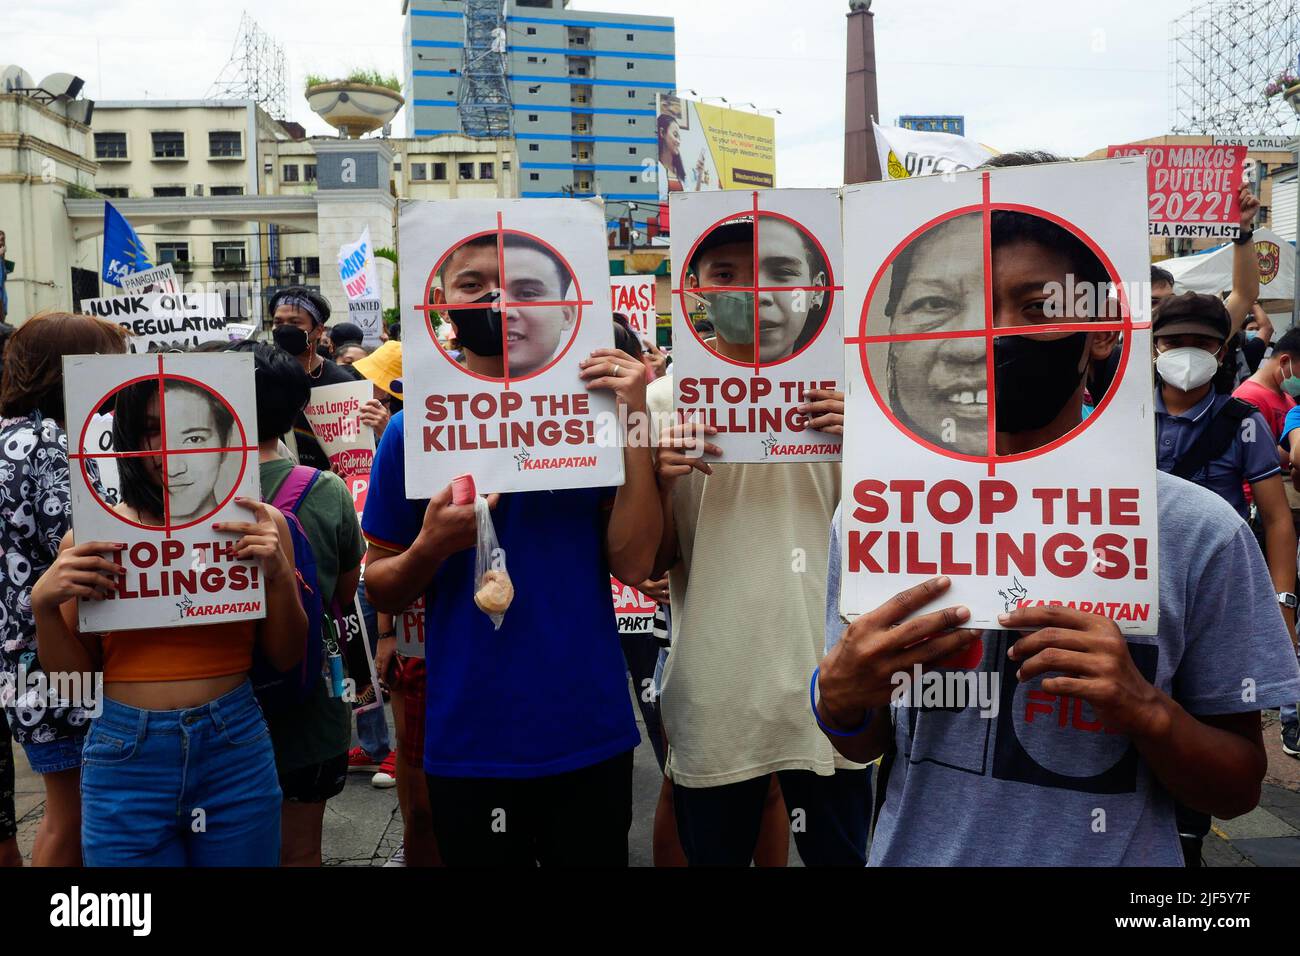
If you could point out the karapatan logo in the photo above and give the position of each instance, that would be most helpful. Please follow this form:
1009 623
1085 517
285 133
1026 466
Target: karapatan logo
772 448
524 461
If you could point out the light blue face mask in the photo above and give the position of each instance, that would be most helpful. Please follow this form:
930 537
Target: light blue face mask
1251 334
732 315
1291 384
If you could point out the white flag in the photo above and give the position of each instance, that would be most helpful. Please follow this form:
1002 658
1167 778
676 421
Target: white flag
908 152
357 269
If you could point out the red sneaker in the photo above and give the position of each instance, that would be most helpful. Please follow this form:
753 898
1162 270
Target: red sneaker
386 775
361 762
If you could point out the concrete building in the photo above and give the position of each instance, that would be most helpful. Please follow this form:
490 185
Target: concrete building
576 89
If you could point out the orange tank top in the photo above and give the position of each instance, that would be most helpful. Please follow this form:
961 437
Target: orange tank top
178 653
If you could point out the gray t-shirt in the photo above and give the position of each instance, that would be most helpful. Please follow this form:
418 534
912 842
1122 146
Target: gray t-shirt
1043 783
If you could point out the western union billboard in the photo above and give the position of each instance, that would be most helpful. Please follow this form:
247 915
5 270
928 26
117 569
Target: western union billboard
710 147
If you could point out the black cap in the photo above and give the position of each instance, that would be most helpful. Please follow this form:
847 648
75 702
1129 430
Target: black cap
346 333
1192 313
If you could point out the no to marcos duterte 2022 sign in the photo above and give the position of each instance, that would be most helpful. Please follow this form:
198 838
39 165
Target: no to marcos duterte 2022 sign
524 285
1016 278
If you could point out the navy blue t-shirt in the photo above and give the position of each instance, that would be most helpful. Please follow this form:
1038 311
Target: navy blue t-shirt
548 692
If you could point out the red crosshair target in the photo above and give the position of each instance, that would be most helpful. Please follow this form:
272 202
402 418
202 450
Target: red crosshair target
756 289
244 448
427 306
990 331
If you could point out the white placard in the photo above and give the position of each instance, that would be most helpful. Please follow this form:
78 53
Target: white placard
777 314
511 408
333 413
368 314
199 414
158 279
410 630
634 297
159 322
930 486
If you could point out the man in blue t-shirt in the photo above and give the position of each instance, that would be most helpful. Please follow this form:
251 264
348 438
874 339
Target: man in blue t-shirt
529 730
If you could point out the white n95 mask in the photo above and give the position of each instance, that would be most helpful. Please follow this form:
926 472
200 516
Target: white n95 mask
1186 368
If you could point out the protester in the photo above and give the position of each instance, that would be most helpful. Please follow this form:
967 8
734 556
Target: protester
350 354
1177 725
299 315
724 523
529 736
343 334
6 267
35 486
179 768
311 739
1274 385
407 680
383 368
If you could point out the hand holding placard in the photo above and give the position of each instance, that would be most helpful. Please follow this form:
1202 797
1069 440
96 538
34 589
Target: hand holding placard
858 674
681 448
825 410
260 540
78 572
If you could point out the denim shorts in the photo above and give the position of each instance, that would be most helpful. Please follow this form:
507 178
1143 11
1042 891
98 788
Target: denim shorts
62 753
192 787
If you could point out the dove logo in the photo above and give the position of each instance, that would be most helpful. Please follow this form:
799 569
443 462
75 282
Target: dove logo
1013 595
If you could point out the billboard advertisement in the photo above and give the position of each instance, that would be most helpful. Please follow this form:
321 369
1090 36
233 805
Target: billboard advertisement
704 147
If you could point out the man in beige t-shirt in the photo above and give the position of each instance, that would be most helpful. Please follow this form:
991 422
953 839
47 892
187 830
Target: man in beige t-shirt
746 549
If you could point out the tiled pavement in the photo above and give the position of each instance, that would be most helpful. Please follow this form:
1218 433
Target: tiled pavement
363 826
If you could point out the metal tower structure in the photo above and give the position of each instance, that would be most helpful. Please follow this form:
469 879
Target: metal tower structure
255 71
1222 53
483 95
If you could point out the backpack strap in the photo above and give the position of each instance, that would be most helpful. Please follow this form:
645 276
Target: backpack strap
1216 438
295 488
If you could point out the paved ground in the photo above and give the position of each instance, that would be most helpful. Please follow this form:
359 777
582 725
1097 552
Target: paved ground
363 826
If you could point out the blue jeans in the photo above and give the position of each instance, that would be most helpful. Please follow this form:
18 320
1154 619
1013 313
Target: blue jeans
194 787
1289 715
372 726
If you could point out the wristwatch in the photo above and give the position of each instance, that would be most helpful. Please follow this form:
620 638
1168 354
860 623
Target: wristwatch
1244 236
1287 599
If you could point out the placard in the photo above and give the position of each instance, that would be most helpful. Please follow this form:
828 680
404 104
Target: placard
763 269
368 315
1192 190
161 322
634 611
410 630
238 331
634 297
333 413
197 416
158 279
523 283
938 479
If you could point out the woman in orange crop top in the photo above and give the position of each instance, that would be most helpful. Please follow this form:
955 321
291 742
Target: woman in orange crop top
178 767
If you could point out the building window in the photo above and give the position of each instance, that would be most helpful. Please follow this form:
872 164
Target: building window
419 171
631 179
397 165
532 59
289 173
580 41
168 145
313 265
110 145
631 121
532 117
440 172
228 255
487 171
309 172
533 147
505 165
177 253
168 192
113 192
465 171
581 71
631 94
631 150
534 176
226 191
630 65
225 144
532 31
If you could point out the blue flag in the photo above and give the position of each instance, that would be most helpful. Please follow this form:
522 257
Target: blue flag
123 251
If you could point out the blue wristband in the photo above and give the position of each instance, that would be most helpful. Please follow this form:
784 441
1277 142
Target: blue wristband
812 700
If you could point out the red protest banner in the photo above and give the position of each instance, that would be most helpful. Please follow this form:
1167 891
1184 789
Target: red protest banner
1192 190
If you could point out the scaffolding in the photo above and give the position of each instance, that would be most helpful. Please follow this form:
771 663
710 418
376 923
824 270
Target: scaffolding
255 71
483 96
1222 54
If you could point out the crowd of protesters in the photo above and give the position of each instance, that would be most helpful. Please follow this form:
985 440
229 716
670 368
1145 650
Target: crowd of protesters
770 718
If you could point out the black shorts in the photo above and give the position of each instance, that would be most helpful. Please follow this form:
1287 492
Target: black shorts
317 782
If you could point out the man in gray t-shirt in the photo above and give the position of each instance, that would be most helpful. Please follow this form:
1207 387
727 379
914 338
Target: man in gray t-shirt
1043 782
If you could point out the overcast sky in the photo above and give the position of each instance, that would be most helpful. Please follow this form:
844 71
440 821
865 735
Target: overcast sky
1057 74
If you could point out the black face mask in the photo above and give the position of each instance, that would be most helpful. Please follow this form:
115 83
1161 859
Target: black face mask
1034 378
479 330
290 338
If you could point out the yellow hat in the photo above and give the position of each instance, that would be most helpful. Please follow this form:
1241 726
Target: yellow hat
383 367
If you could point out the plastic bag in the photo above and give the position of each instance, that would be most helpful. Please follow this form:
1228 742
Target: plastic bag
493 590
